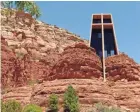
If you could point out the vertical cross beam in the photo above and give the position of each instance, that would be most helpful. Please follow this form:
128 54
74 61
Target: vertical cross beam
116 45
103 49
103 38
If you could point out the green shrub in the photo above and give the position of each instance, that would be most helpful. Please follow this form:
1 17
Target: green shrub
20 55
99 107
71 102
32 108
11 106
53 103
32 82
3 109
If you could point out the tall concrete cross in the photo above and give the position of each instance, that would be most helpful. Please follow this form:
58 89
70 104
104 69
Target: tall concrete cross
103 37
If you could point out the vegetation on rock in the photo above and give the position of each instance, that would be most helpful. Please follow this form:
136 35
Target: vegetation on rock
11 106
32 82
99 107
26 6
19 55
53 103
71 103
32 108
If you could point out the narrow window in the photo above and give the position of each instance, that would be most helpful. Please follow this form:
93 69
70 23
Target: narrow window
112 52
107 20
105 53
99 35
100 53
96 20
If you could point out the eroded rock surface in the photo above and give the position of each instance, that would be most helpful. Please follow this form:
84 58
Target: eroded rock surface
21 70
21 94
122 67
34 53
77 61
123 94
30 48
8 61
37 38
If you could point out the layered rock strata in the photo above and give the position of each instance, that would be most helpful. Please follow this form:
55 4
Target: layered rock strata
37 38
123 94
77 61
20 70
122 67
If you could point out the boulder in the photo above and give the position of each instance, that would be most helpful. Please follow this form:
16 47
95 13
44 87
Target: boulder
77 61
122 67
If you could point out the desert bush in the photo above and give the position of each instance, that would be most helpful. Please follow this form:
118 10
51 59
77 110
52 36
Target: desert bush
7 12
4 91
53 103
2 107
32 108
28 6
71 103
99 107
32 82
11 106
20 55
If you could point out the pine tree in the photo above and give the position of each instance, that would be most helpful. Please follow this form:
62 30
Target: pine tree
71 103
53 103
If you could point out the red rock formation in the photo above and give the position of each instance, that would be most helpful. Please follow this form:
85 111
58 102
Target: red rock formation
19 72
123 94
90 91
122 67
7 60
78 61
21 94
77 65
35 47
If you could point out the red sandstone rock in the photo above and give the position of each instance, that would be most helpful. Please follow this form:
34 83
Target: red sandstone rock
44 42
37 45
19 72
78 61
123 94
122 67
7 60
21 94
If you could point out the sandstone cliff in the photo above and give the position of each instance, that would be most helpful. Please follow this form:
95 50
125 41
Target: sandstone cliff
122 67
122 94
33 48
44 59
77 61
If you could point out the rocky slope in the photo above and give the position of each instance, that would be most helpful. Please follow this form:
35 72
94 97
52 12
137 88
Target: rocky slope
44 59
34 48
90 91
8 62
90 87
36 38
19 72
77 61
122 67
122 94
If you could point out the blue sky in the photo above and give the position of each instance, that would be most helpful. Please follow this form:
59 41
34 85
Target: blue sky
76 18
